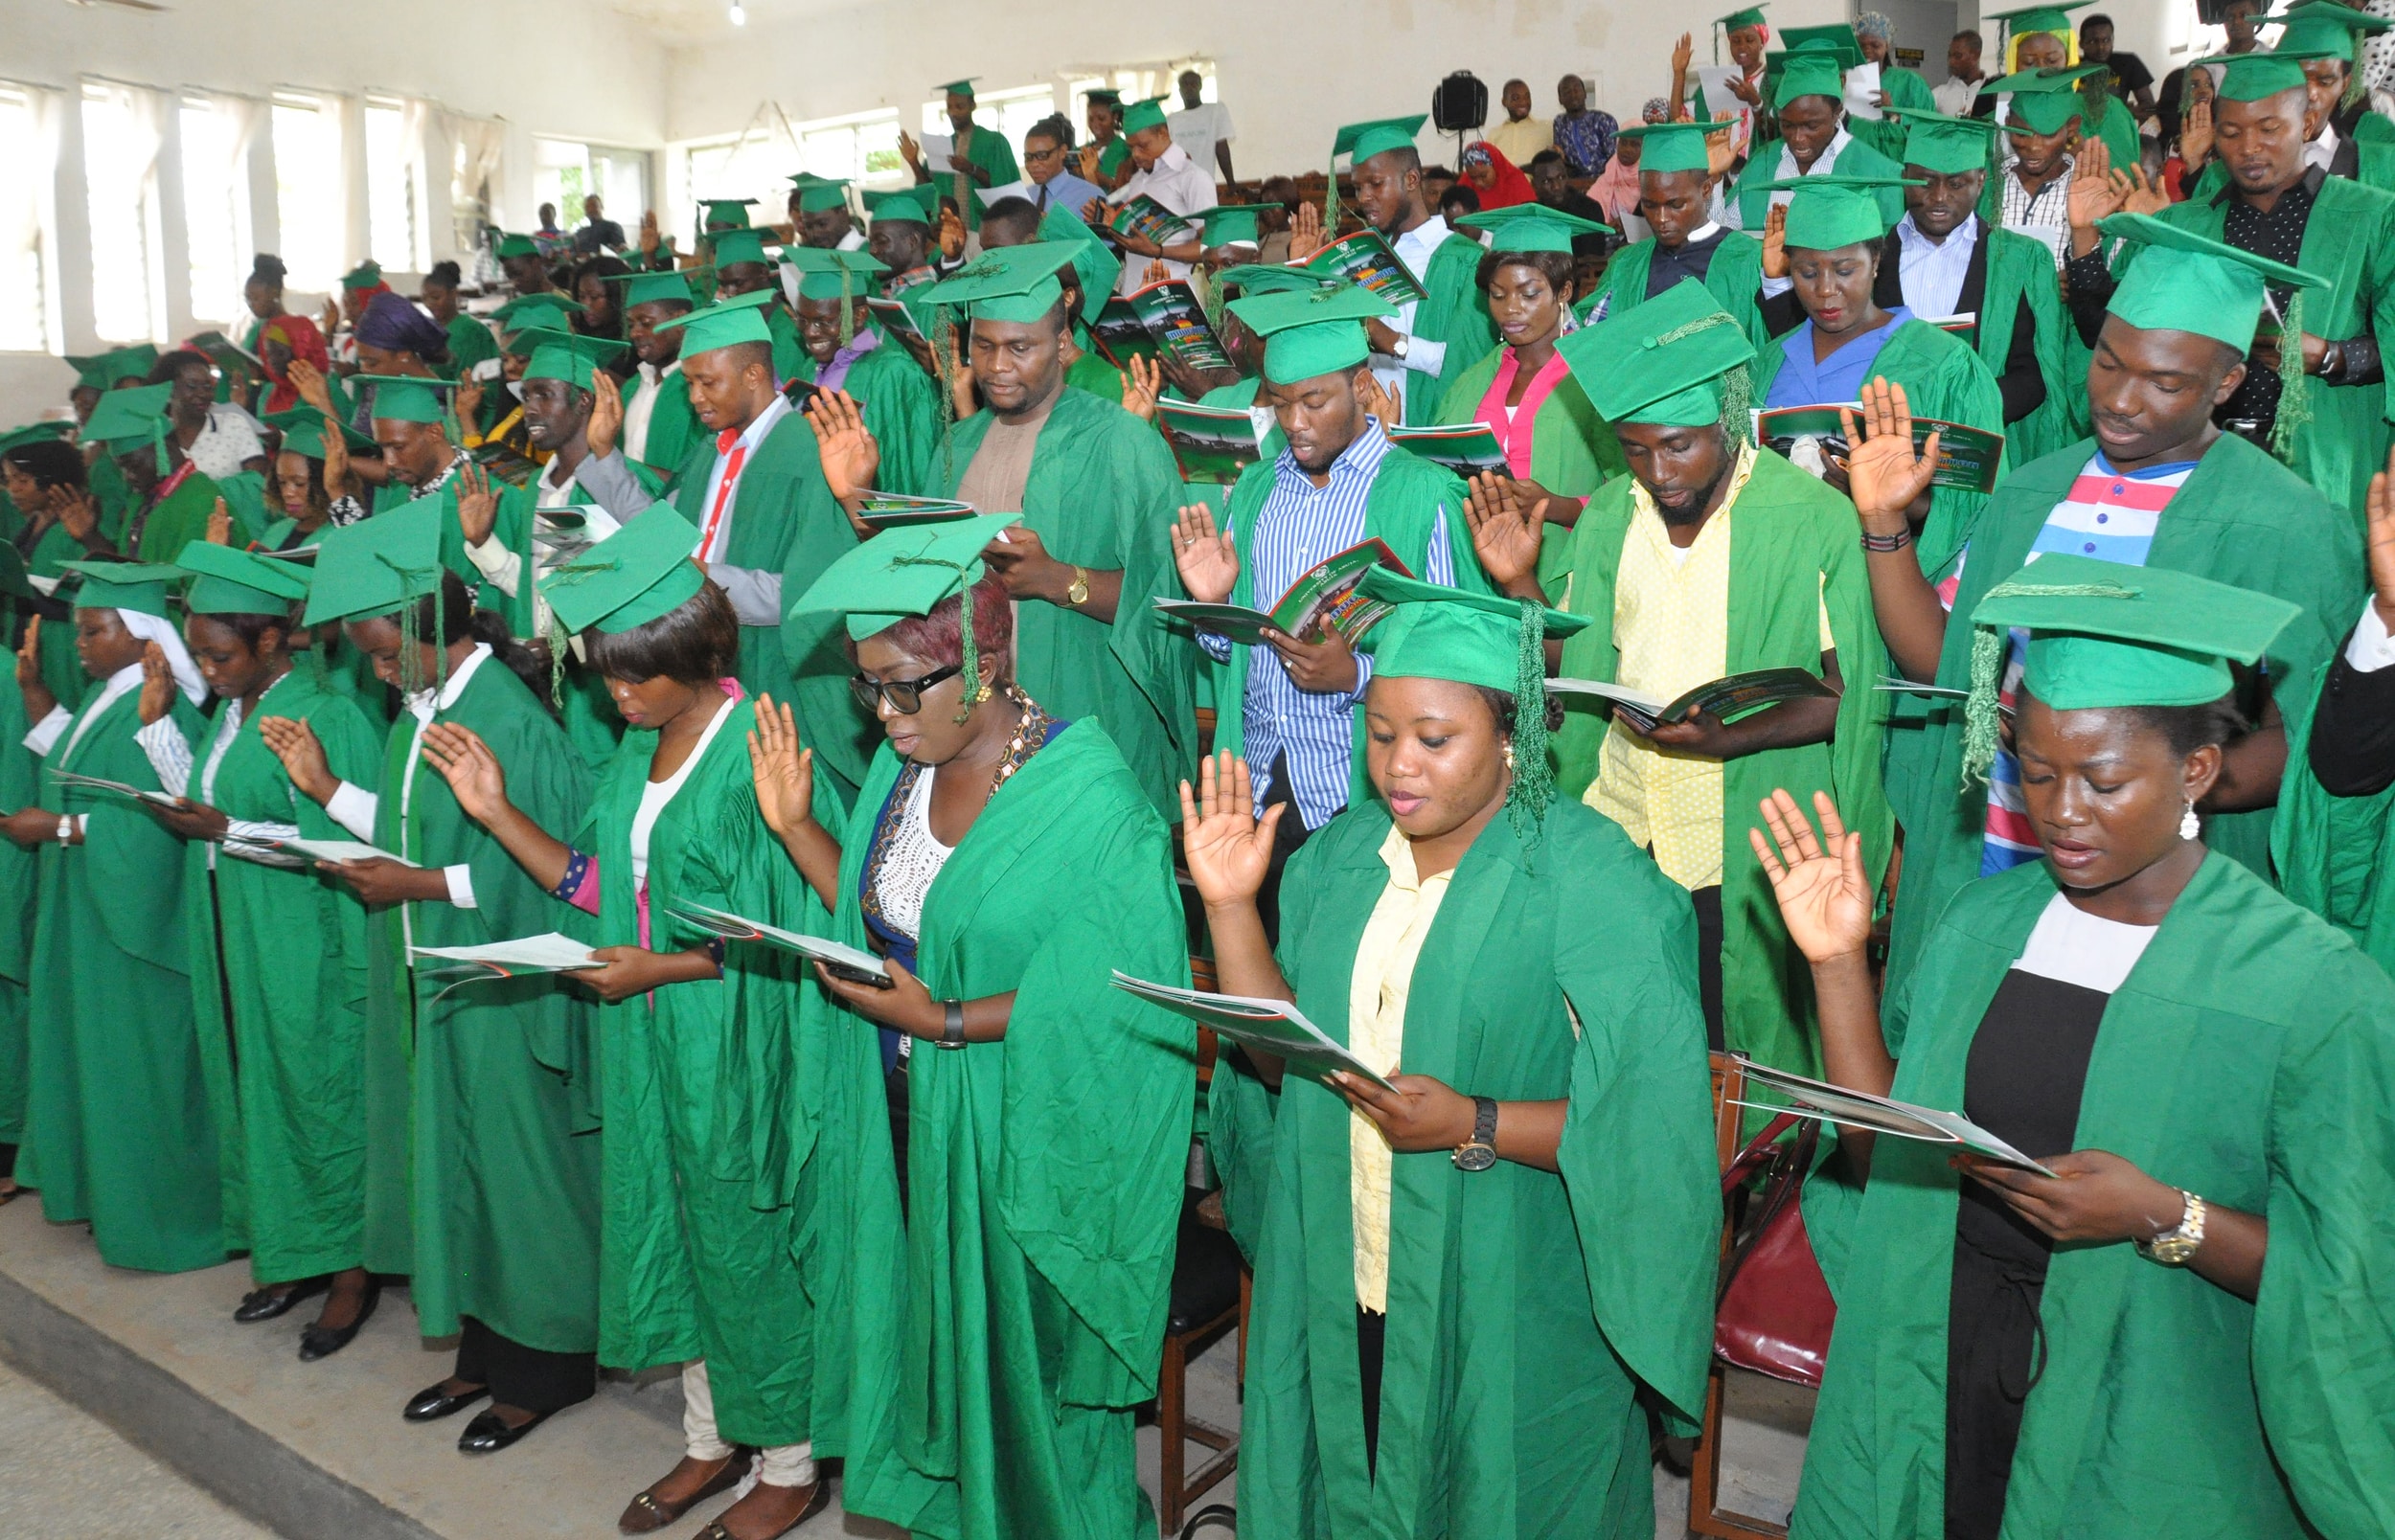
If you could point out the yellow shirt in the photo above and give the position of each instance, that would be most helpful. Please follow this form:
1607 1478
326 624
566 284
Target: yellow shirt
1376 992
1520 141
1670 628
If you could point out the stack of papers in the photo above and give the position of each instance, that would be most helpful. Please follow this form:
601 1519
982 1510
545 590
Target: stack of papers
524 957
1882 1115
842 959
115 788
1274 1027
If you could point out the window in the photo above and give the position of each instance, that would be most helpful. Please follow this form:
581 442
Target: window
1137 83
121 141
863 148
25 162
390 186
1011 113
562 175
621 179
309 202
215 205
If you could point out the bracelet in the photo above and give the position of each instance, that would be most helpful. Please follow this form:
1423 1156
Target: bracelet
1887 545
952 1024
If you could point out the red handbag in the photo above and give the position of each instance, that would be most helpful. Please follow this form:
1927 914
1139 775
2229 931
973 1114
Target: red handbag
1775 1311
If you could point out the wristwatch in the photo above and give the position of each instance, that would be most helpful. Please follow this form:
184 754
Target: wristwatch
1405 345
1479 1152
1077 592
66 828
952 1024
2171 1248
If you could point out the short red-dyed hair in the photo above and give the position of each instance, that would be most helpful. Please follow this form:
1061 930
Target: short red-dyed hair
939 637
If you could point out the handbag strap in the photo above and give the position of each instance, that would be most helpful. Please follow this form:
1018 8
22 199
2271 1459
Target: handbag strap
1759 1150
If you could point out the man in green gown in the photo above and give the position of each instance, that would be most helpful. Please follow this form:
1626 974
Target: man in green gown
119 1129
1097 489
1089 283
819 210
1809 103
1675 196
658 425
2344 140
978 156
2158 486
743 267
904 239
2322 407
169 500
845 351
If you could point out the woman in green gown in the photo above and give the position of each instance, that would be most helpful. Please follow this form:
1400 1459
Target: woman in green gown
1460 1287
482 1153
278 959
1004 863
695 1036
118 1123
58 522
2184 1329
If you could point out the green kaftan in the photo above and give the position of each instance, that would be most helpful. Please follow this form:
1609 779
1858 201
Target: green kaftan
902 410
1525 1307
988 149
470 343
178 518
2019 268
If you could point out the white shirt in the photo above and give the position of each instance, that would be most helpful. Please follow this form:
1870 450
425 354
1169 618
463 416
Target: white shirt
654 795
250 839
2370 648
642 408
352 806
1178 183
1199 129
1954 97
1824 164
853 240
756 596
226 440
2323 149
1422 354
2072 946
1931 272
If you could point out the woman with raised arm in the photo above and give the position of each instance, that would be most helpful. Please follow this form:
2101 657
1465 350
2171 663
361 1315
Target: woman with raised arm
1004 864
695 1036
2191 1314
1463 1277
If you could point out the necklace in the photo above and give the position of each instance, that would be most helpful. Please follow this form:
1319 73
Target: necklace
1031 732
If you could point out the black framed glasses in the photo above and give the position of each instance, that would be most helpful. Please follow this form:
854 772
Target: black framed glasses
904 695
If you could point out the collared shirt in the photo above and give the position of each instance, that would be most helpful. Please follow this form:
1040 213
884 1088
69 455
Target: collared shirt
1181 185
1804 380
1932 273
2322 153
642 409
354 807
1520 138
1954 95
1824 164
1063 189
834 374
756 596
2278 234
1693 259
1377 990
2048 208
171 755
1427 355
457 462
1300 524
1586 140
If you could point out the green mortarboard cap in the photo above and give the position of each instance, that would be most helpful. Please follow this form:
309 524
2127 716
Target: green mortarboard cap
1836 37
101 372
549 310
1377 137
406 397
2255 75
377 566
1532 227
1825 213
913 204
821 271
724 325
1105 94
1094 262
2043 17
1942 145
1659 362
364 276
2328 31
639 574
34 433
1439 632
963 87
1311 331
564 355
1271 278
125 419
1147 114
225 581
303 429
902 571
139 586
2102 635
1751 17
1810 72
724 213
1671 147
2184 282
817 195
516 245
729 246
1232 224
1012 283
653 289
2043 100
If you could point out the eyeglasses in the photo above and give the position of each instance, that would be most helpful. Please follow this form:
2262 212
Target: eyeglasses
1048 154
904 695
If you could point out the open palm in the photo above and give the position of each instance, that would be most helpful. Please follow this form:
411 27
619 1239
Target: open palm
784 772
850 458
1824 896
1505 528
1227 847
1885 475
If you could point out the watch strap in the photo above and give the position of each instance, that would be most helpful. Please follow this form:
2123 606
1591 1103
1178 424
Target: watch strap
1484 1120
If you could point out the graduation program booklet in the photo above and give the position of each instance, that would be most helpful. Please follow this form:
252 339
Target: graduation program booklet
1905 687
1119 334
1967 458
896 510
1467 449
1213 443
895 319
339 850
1368 261
1325 593
546 953
1275 1027
229 356
1147 218
839 957
1170 312
1724 699
115 788
1885 1115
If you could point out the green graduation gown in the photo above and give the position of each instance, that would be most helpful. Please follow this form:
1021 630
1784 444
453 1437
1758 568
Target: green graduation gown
1001 1356
2019 268
1408 500
1572 450
21 786
697 1106
1103 492
1455 312
672 426
1734 277
789 353
2240 518
1786 527
178 518
287 948
988 149
482 1157
470 343
2349 241
902 410
2245 1057
62 670
1526 1307
1091 373
1857 159
117 1113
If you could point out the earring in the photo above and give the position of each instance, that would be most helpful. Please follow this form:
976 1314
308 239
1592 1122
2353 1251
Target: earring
2189 824
1509 755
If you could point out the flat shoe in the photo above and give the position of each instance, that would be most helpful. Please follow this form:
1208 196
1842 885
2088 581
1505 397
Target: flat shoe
488 1433
322 1342
432 1403
647 1512
814 1505
267 1304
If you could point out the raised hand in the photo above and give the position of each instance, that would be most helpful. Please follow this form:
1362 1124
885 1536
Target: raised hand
845 447
157 683
477 503
1883 475
2138 195
1682 53
476 777
1824 896
310 381
79 514
607 420
1304 232
952 234
220 524
2093 193
1227 847
912 152
295 743
1744 91
784 772
1089 155
2195 134
467 399
38 701
1205 556
2380 505
650 234
337 465
1775 242
1504 528
1142 381
328 323
1378 401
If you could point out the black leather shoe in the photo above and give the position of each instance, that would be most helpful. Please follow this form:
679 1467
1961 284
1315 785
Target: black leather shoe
488 1433
266 1303
432 1403
322 1342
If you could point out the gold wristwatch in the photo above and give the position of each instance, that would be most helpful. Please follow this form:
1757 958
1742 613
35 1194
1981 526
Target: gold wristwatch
2171 1248
1077 592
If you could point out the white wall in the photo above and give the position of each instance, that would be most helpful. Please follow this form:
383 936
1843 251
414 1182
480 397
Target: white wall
569 68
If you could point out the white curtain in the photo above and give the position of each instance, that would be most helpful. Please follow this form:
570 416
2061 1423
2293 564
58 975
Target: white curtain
123 128
479 146
219 234
29 293
419 131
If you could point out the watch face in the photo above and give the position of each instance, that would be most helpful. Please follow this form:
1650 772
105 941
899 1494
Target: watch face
1475 1158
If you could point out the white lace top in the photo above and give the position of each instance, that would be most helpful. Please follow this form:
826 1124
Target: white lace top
910 862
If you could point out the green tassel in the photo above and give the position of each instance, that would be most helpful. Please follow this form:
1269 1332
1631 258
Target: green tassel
942 337
556 635
971 657
1738 401
2294 392
848 305
1534 779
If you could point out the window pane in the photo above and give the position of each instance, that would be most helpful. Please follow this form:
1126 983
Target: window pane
24 304
216 202
307 191
389 188
118 150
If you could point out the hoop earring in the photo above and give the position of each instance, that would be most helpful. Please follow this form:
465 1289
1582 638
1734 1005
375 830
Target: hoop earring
1509 754
2189 824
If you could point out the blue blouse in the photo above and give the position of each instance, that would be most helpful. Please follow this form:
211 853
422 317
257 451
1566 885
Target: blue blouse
1839 378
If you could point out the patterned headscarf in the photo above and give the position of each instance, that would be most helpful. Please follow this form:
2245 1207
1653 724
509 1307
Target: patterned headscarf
1875 24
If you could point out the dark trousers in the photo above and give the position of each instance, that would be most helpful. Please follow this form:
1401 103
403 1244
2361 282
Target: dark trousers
1290 833
1708 905
521 1376
1372 1337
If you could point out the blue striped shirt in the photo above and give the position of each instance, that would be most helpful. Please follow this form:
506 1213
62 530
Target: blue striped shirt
1300 524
